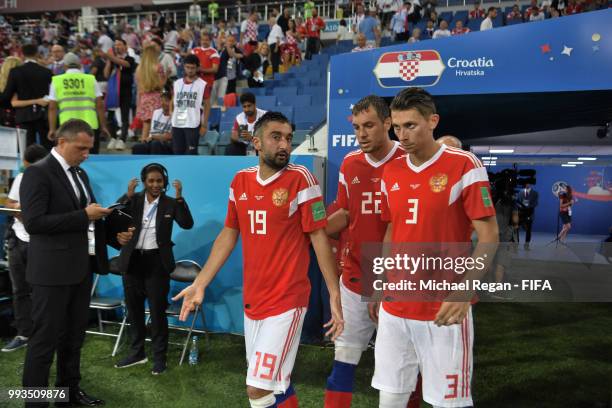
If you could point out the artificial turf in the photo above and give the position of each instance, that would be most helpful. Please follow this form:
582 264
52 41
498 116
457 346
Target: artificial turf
525 355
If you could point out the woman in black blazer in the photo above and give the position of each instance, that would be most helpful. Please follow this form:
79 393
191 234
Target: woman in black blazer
146 260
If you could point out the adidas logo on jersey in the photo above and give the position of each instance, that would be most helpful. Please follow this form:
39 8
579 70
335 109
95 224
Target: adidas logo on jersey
243 197
259 197
395 187
415 186
355 181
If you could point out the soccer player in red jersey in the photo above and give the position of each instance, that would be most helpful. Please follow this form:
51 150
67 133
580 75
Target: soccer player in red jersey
209 65
278 209
358 202
433 194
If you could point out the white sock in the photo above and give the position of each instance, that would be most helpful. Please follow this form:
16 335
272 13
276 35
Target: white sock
263 402
393 400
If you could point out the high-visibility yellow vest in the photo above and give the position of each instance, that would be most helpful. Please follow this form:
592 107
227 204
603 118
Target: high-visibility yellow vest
76 97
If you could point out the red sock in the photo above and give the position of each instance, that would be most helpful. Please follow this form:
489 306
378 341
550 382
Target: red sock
417 394
338 399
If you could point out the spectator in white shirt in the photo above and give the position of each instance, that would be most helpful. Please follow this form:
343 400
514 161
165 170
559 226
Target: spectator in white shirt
104 41
362 44
536 15
442 31
275 39
487 23
416 36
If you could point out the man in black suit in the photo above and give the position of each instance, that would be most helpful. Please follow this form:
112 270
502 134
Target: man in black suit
31 81
67 244
146 260
528 201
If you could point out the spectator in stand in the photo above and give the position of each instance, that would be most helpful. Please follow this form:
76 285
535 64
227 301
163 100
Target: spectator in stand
275 39
460 29
104 41
283 19
165 59
230 57
43 50
442 31
188 104
97 68
118 61
515 14
159 140
7 112
429 30
244 124
209 66
370 27
487 23
357 19
249 29
56 65
573 7
399 23
532 6
131 39
343 32
309 6
476 12
388 8
429 6
27 86
536 14
433 16
170 36
416 36
362 44
291 54
150 80
256 64
195 14
314 26
554 13
414 13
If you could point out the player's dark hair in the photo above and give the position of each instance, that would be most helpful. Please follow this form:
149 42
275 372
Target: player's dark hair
267 118
191 59
247 97
375 102
490 10
34 153
414 98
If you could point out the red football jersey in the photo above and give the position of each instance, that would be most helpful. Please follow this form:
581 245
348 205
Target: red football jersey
207 57
434 202
274 217
359 194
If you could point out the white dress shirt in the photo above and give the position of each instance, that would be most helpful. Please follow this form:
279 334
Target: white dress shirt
18 227
148 238
65 167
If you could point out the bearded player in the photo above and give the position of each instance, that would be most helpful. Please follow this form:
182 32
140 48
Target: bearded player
358 203
278 209
433 194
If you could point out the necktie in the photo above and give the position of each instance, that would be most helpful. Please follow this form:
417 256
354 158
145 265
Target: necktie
75 178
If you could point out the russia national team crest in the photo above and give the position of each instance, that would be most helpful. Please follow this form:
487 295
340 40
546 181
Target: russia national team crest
438 182
402 69
280 196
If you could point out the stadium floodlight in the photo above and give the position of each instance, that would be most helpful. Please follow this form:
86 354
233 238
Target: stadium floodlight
568 165
587 158
501 151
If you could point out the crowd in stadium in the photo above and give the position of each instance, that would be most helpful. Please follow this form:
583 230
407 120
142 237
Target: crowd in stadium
143 58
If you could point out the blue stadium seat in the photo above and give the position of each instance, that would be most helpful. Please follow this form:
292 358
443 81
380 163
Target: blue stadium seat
287 111
299 135
514 21
474 24
262 32
446 16
461 15
267 102
314 115
207 143
214 118
285 90
297 101
254 91
272 83
222 143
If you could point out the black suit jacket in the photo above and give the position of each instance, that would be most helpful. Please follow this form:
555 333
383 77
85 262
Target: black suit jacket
28 81
168 211
58 251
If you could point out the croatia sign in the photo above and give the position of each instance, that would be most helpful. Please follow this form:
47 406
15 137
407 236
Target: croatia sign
409 68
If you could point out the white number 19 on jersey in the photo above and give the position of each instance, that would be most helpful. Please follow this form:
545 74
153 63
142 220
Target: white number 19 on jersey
258 221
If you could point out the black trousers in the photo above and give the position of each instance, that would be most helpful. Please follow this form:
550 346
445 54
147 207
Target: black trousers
185 140
125 104
60 315
236 149
38 127
152 147
147 279
275 56
312 47
22 302
231 86
527 218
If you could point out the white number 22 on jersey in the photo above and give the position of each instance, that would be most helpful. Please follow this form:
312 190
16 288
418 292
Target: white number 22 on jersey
413 209
368 199
258 221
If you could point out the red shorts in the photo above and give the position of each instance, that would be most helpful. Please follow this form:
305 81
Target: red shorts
208 90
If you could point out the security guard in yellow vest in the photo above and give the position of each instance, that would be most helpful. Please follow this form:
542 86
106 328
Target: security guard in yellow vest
75 95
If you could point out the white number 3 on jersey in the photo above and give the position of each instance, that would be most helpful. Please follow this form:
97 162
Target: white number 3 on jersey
413 209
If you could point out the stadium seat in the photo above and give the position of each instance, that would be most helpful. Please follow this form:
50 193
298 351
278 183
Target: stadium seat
267 102
474 24
287 111
230 114
214 118
514 21
285 90
461 15
297 101
262 32
446 16
273 83
207 143
223 142
107 303
254 91
314 115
